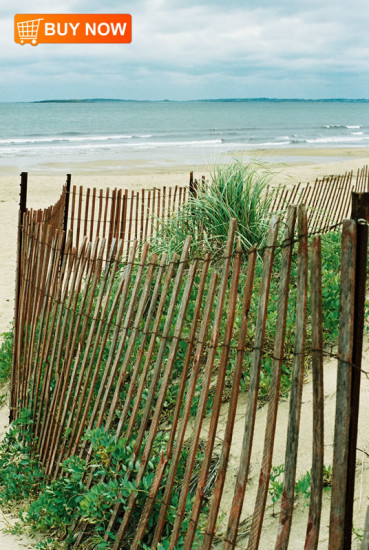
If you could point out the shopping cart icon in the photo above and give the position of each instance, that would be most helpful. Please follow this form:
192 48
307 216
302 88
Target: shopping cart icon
27 31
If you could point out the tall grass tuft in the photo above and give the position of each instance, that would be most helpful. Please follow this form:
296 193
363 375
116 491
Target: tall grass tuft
236 190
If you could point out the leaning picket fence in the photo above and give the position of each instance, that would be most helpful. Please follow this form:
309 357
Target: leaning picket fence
149 349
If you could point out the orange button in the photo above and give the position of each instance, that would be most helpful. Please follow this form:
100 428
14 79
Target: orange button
52 28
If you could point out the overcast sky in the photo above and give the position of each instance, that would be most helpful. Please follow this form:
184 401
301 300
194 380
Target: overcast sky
196 49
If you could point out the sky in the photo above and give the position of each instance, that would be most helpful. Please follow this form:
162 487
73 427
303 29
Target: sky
183 50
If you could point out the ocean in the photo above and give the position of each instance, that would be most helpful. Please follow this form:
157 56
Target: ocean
54 135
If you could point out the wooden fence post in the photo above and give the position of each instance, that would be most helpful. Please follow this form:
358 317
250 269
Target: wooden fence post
22 210
360 213
343 394
65 218
66 207
193 186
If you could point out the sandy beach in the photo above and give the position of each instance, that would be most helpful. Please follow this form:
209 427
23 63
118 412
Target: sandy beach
44 189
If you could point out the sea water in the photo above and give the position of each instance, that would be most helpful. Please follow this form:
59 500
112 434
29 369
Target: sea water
165 133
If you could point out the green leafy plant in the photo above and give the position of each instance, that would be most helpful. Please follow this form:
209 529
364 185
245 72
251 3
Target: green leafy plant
6 354
88 490
276 482
302 485
20 472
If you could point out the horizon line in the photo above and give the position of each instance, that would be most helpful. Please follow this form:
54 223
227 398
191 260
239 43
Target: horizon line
226 99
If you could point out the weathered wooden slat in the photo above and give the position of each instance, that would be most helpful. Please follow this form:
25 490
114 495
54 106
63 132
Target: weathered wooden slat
99 215
313 526
118 221
72 214
107 197
287 501
147 213
124 215
137 219
342 419
130 218
87 213
142 214
157 213
22 213
79 217
112 218
92 216
176 203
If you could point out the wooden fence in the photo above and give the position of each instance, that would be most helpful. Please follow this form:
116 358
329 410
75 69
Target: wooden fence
136 215
121 214
328 200
150 348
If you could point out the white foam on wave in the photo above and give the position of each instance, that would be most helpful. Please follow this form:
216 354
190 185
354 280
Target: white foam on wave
64 139
82 148
271 143
348 126
161 144
339 139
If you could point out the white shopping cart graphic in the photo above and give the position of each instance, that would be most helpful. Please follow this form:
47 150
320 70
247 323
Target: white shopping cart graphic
27 31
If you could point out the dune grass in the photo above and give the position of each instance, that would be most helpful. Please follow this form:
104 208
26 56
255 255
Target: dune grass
236 190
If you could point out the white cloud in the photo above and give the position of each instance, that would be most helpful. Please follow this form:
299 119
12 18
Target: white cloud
197 49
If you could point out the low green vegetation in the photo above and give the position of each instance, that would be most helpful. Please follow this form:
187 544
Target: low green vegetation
302 485
85 492
6 351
